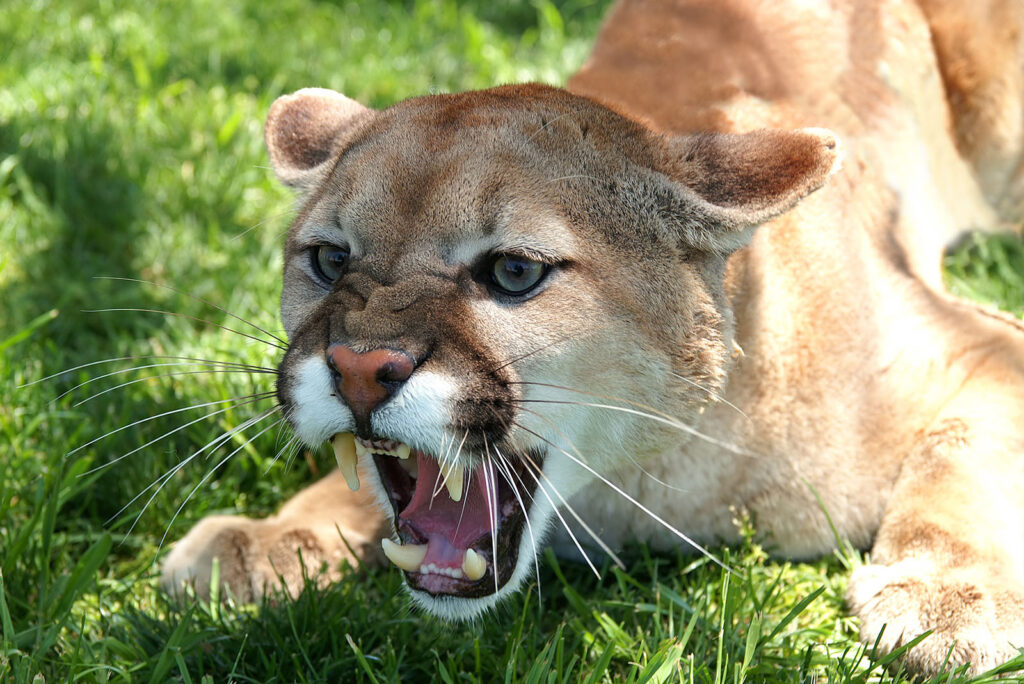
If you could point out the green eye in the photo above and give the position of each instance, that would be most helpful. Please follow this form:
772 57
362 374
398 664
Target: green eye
515 275
329 262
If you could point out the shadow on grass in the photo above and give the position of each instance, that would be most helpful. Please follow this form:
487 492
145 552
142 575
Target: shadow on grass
83 215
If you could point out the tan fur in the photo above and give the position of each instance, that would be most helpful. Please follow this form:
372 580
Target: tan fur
860 379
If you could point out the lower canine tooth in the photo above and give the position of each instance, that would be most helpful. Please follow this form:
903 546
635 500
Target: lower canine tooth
403 451
453 478
344 444
408 557
473 565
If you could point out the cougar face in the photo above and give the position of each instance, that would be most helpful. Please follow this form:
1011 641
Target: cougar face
468 318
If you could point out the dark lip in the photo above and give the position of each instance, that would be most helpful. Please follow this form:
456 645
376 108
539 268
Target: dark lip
398 485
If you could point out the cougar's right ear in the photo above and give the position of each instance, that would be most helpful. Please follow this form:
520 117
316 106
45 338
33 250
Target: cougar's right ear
307 129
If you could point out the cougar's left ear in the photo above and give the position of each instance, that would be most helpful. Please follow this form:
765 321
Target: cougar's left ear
307 129
737 181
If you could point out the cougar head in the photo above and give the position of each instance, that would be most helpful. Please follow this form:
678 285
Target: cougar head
486 293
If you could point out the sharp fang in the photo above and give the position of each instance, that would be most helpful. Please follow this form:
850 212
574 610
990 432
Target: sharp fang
345 447
453 478
403 451
473 565
408 557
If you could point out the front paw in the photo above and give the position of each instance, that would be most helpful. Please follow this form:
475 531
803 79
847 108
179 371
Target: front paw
974 618
253 558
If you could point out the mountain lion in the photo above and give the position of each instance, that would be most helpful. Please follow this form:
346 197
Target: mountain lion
704 277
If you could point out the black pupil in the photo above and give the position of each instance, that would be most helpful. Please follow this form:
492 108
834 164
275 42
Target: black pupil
331 261
516 275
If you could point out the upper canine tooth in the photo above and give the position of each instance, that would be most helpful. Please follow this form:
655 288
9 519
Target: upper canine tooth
345 448
403 451
453 477
408 557
473 565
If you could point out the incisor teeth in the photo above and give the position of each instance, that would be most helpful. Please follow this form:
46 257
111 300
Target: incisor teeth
473 565
345 448
453 478
408 557
360 448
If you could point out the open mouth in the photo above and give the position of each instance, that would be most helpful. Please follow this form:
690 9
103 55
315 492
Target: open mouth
459 529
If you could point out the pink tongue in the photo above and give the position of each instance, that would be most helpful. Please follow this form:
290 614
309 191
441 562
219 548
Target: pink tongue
450 526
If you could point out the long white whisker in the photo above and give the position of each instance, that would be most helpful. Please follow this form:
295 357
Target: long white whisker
446 465
248 399
524 454
528 354
123 358
290 447
163 479
280 345
266 219
586 528
225 366
210 474
163 375
627 454
202 301
643 407
287 445
491 487
167 434
290 457
651 514
683 427
442 454
508 472
561 519
714 395
466 484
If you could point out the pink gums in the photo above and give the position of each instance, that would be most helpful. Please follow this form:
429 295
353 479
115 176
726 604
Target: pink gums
450 527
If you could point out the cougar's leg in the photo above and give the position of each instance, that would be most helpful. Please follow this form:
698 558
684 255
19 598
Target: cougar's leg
323 524
949 556
980 49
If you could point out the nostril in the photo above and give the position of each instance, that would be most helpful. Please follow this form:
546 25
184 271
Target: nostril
397 369
364 380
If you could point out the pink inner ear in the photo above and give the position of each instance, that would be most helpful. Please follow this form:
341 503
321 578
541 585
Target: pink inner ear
307 128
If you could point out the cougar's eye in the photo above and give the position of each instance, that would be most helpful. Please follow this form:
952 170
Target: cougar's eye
515 275
329 262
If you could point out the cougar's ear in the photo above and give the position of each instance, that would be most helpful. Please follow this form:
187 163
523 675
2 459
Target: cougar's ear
737 181
306 129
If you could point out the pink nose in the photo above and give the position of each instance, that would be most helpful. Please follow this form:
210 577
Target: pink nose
366 380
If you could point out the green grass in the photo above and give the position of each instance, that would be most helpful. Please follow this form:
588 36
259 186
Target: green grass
130 147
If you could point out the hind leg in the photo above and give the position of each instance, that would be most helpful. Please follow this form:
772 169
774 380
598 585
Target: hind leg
949 556
980 49
317 529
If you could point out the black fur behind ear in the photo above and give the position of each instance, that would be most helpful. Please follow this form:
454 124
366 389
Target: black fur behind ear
306 129
743 180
